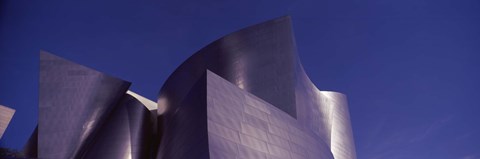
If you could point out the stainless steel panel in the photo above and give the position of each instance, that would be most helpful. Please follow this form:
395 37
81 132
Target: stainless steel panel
6 115
269 138
126 134
259 59
245 95
258 98
74 100
87 114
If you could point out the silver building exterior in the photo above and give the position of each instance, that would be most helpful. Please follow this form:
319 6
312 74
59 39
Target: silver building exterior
86 114
6 115
244 96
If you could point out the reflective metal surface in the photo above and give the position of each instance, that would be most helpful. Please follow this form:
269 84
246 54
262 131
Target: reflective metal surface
245 95
6 115
261 61
146 102
126 134
81 109
326 114
342 144
242 125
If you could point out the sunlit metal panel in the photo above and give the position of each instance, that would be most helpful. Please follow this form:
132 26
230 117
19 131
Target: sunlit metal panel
342 144
6 115
283 113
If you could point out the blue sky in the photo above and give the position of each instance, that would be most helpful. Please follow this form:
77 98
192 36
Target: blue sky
410 68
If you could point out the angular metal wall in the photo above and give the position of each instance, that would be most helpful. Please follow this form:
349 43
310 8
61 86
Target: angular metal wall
241 125
74 100
81 109
262 61
6 115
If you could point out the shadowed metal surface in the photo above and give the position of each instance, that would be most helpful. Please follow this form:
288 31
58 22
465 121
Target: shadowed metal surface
30 150
126 134
185 125
262 61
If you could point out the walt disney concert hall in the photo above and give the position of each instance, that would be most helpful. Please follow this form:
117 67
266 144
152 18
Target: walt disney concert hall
244 96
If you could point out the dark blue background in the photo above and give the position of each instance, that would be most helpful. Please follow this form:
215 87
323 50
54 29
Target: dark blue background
411 68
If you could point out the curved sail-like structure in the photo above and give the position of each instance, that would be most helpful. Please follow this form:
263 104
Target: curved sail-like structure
126 133
87 114
246 95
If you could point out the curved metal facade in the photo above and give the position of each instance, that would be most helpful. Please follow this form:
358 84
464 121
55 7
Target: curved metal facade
262 62
245 95
80 107
341 141
126 134
259 59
